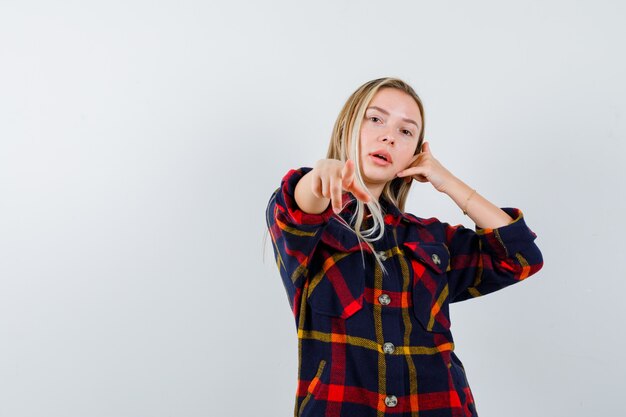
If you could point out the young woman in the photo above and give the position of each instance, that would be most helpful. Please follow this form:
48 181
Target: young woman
369 284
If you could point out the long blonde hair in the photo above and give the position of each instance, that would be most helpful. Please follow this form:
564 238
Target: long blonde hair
347 130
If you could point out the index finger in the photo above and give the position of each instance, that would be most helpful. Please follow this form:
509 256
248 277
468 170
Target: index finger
359 192
347 172
349 182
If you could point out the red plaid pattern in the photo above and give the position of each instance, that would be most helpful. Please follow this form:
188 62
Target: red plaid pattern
371 344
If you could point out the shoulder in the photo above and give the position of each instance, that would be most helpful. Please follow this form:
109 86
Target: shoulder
420 221
429 229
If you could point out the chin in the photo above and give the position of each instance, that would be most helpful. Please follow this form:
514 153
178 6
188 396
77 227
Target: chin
377 179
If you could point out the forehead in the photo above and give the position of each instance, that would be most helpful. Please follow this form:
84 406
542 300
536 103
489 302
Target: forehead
397 103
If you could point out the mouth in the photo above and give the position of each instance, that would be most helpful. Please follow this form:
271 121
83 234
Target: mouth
381 157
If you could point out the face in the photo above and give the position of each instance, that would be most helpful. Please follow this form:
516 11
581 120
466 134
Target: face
389 136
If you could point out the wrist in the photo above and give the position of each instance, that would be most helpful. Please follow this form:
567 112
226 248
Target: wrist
460 193
305 199
453 186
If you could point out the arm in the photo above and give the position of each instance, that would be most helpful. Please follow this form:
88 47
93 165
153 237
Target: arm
296 237
484 213
487 260
295 234
425 168
499 253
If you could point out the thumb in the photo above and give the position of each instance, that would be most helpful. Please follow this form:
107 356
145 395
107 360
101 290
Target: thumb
426 147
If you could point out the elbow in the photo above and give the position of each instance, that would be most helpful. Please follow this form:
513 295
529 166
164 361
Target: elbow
530 262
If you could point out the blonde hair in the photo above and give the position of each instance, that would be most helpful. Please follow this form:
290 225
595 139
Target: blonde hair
347 130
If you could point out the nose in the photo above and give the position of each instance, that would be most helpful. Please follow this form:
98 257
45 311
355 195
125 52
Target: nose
388 135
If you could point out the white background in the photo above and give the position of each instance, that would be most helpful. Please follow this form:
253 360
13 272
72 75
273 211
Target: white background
141 140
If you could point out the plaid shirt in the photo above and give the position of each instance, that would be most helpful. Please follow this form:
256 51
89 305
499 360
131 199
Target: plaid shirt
374 344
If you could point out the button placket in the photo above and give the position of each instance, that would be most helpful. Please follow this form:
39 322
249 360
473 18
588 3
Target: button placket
388 348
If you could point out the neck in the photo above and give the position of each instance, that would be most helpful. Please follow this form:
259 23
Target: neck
377 192
375 189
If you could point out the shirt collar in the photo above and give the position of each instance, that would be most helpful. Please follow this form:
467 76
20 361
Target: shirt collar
391 214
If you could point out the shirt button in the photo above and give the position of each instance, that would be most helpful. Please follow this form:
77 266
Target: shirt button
384 299
391 401
436 259
383 255
389 347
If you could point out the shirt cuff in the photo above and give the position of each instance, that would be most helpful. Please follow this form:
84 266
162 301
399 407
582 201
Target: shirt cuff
286 198
507 240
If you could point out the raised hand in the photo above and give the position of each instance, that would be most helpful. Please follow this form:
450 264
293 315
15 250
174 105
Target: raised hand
330 178
425 168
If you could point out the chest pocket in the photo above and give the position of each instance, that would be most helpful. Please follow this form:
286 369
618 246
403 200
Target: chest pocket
337 276
429 263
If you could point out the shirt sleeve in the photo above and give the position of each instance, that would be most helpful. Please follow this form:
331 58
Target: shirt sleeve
486 260
295 234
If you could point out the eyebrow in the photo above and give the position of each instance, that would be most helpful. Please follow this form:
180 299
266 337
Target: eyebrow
386 113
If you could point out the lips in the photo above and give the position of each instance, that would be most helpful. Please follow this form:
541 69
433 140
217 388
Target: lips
381 156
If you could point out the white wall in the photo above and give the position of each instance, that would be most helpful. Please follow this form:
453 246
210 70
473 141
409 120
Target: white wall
141 140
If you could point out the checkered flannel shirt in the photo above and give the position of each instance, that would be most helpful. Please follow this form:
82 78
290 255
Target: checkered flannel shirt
374 344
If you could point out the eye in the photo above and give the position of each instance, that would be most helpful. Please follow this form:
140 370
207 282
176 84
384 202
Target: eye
407 132
374 119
